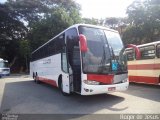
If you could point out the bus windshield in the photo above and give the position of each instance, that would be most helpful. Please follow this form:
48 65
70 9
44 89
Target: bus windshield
114 41
104 47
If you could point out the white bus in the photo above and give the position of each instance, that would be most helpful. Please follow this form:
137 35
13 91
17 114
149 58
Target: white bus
4 68
85 59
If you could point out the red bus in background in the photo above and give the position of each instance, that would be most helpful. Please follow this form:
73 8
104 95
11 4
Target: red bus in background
146 68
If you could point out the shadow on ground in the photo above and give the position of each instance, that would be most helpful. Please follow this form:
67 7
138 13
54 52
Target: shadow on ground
151 92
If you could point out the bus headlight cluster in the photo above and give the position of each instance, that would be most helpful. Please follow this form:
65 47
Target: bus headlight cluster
91 82
125 80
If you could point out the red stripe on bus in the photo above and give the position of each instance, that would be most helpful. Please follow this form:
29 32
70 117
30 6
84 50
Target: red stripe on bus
107 79
144 67
144 79
48 81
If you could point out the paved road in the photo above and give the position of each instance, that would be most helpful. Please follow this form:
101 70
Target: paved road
19 94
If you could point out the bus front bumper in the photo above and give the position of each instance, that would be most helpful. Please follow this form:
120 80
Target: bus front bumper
101 89
4 74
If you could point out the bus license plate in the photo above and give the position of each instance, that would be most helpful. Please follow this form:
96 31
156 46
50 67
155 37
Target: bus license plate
111 88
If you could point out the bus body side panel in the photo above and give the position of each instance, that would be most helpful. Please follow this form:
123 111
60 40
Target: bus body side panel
132 70
144 71
48 69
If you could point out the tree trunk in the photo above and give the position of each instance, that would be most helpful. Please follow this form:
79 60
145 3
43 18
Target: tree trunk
26 65
13 61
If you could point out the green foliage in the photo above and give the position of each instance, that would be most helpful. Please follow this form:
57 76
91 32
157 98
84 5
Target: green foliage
11 30
112 22
24 48
90 21
144 22
51 25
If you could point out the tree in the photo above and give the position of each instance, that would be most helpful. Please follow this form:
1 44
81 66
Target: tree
111 22
32 11
90 21
144 22
25 52
51 25
11 31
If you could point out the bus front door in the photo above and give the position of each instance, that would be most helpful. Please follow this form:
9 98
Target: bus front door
65 76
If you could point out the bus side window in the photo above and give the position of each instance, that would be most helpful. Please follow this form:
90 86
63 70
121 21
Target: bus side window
158 51
147 52
64 60
130 54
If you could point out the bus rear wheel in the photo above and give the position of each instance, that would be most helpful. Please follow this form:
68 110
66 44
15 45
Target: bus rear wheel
36 78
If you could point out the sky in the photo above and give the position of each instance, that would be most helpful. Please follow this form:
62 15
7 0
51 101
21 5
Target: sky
103 8
2 1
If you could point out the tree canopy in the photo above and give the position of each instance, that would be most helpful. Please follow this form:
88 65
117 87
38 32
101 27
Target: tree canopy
144 22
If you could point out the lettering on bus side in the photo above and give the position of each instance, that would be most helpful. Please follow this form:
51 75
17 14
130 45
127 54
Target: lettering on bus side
48 61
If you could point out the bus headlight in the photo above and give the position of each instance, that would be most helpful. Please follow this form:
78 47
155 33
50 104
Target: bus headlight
125 80
91 82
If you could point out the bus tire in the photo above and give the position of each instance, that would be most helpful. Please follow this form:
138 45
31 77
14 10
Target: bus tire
60 84
36 79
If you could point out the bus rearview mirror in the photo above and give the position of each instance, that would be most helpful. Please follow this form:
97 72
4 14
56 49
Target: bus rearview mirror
83 43
138 53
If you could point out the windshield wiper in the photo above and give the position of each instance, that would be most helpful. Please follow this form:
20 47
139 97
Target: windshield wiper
119 60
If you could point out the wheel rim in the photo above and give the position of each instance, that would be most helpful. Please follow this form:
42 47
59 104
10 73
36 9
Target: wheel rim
61 86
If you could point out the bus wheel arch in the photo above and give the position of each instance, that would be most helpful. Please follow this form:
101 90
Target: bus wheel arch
59 80
36 74
60 85
33 75
36 78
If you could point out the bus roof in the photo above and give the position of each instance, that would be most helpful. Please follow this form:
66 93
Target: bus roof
1 59
151 43
146 44
76 26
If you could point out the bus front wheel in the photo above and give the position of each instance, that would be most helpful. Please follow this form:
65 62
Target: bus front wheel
61 88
